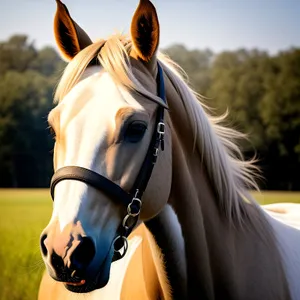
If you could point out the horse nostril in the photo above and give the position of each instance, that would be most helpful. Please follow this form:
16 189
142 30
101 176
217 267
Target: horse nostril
83 254
57 263
43 246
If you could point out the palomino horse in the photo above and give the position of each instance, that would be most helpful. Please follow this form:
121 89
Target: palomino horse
127 126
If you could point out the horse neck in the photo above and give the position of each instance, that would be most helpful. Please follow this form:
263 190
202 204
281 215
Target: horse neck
220 259
186 200
166 231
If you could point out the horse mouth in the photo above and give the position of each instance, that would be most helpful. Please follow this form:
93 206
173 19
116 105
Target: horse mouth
81 283
81 287
90 283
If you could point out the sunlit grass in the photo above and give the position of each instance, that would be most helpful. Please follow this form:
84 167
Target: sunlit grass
275 197
23 215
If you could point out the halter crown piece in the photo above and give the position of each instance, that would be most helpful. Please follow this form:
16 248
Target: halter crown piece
132 199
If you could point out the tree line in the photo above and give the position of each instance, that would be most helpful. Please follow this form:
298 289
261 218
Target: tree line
262 95
27 79
260 91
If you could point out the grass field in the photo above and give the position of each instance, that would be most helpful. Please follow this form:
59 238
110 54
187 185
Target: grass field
23 215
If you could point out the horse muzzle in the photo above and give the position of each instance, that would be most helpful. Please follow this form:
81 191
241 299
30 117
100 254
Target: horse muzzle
76 260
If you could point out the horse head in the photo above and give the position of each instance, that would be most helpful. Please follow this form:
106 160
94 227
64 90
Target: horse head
109 129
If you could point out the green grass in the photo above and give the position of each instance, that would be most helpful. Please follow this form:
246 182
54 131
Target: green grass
23 215
275 197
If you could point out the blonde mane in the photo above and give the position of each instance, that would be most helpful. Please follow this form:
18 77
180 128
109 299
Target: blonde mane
230 175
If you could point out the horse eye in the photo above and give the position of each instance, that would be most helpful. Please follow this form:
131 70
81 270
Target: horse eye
135 131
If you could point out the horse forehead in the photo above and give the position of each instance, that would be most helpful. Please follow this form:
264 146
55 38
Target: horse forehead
97 96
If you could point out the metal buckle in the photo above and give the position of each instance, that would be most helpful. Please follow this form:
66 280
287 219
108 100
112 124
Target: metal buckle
129 211
161 128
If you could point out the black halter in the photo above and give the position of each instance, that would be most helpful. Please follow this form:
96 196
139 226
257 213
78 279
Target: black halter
132 199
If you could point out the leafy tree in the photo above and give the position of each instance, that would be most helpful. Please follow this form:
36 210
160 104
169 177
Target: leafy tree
16 54
261 93
27 80
196 64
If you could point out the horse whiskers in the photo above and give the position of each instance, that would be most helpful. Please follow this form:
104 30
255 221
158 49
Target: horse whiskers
37 267
32 267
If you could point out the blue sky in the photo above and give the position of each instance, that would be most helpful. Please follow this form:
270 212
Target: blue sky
270 25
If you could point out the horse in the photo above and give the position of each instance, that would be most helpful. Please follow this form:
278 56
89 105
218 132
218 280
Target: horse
287 213
150 189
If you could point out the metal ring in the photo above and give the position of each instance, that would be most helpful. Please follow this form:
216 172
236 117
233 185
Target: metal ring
129 207
125 245
124 222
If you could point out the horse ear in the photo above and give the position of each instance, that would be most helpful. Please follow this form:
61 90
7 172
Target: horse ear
70 37
145 30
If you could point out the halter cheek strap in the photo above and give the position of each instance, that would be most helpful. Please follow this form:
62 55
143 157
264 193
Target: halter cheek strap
132 199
